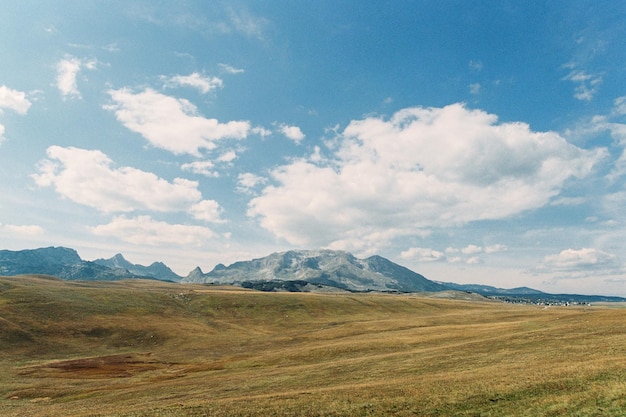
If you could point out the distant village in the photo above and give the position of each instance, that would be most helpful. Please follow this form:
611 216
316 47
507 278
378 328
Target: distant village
539 301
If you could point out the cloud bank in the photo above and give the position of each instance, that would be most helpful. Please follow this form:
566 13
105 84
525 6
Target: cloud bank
423 168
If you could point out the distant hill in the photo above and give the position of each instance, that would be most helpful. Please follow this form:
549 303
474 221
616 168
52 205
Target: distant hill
489 290
156 270
322 267
529 295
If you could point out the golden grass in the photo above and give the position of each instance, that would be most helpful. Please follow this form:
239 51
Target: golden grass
142 348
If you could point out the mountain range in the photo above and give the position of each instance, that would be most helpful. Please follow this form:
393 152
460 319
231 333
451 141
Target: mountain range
65 263
156 270
296 270
323 267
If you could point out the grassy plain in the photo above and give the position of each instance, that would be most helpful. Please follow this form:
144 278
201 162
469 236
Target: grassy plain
145 348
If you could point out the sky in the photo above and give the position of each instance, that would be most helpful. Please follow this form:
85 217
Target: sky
472 142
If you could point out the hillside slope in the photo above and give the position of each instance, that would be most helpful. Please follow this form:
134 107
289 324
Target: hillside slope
147 348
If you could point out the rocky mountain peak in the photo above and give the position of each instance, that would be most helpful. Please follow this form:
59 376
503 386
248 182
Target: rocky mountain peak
321 267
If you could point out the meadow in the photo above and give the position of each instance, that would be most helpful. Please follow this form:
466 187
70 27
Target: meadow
148 348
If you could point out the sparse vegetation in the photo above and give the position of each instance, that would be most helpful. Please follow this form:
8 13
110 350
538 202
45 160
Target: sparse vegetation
146 348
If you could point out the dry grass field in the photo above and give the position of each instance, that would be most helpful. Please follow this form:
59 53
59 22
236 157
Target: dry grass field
145 348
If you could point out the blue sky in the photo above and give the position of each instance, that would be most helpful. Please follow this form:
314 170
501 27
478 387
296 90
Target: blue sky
474 142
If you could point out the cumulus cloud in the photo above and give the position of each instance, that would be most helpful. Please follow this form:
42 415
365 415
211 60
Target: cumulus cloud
471 250
227 157
495 248
421 169
206 168
208 211
195 80
580 262
143 230
423 254
246 182
13 100
292 132
261 131
67 72
450 255
170 123
88 177
211 168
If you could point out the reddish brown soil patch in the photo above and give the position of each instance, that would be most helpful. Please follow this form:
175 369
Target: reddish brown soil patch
124 365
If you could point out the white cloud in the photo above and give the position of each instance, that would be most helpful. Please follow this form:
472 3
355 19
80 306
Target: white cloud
209 168
202 83
26 229
230 69
607 123
228 156
143 230
471 250
496 248
292 132
423 168
580 261
170 123
67 72
261 131
423 254
449 255
13 100
247 181
88 177
208 211
474 88
619 106
587 84
205 168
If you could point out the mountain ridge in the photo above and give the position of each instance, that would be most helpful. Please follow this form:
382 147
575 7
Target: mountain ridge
295 270
321 267
156 270
61 262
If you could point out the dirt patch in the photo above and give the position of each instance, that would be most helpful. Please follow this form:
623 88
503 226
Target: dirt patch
111 366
